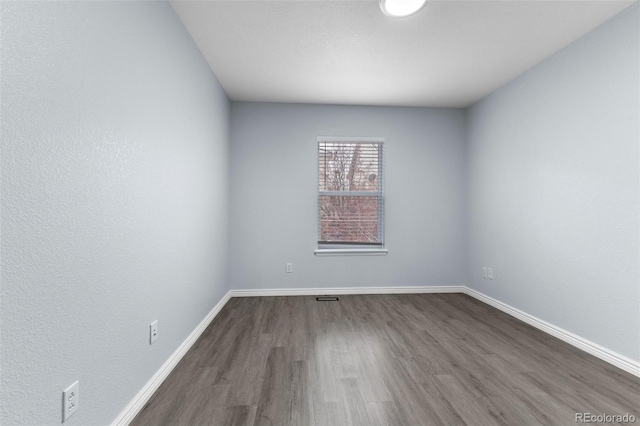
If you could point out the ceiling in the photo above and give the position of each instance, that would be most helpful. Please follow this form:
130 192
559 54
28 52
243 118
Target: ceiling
450 54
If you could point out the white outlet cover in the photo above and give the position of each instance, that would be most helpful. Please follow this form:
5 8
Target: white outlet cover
484 272
70 400
153 332
490 273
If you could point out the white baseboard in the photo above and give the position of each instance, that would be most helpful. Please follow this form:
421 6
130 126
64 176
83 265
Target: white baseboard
346 290
613 358
138 402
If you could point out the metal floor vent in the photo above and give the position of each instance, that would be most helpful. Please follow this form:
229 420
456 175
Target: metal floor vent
327 299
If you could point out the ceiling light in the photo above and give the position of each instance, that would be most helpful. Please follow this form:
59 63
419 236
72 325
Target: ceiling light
400 8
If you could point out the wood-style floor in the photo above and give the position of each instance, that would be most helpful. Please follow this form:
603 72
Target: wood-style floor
430 359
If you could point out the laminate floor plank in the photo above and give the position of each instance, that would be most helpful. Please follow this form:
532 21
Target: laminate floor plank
330 414
470 407
419 359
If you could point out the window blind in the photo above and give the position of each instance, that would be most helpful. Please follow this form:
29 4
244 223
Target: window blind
351 193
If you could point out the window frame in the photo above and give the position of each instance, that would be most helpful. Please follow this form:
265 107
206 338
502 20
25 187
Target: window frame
348 248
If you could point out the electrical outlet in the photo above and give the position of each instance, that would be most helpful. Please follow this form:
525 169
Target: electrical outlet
70 400
289 268
490 273
153 332
484 272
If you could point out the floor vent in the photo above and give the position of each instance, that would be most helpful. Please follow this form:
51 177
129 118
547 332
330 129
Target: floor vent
327 299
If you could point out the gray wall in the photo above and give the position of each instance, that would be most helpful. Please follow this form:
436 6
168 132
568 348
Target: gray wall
114 201
274 186
553 189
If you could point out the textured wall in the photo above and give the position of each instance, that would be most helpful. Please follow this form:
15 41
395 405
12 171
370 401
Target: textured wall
114 201
553 189
274 183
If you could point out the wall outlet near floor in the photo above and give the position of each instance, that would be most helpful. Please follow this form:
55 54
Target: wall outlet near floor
70 400
490 273
289 268
153 332
484 272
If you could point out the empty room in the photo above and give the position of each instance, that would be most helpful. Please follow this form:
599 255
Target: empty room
309 212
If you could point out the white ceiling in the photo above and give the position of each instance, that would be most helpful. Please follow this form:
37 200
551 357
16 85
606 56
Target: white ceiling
450 54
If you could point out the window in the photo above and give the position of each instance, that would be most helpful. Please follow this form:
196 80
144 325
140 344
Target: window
350 195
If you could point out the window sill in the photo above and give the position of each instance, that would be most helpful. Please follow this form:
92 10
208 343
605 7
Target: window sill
351 252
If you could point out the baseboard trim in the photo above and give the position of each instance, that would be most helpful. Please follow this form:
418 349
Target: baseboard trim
613 358
138 402
346 290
